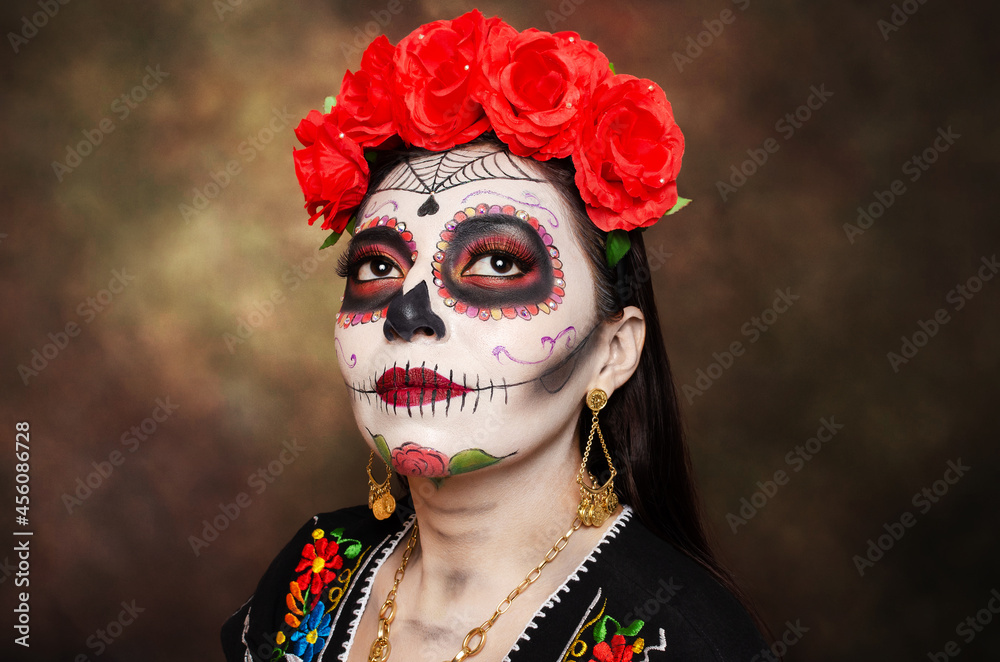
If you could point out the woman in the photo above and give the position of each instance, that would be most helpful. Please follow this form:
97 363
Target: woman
499 338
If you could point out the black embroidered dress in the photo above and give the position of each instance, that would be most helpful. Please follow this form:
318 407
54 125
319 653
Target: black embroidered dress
634 598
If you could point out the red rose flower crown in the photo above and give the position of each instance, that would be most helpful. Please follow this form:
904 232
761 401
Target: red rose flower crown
544 95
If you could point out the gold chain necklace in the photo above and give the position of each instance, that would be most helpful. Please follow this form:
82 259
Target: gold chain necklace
381 647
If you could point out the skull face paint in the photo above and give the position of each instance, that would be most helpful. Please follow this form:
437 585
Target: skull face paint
497 261
370 267
428 377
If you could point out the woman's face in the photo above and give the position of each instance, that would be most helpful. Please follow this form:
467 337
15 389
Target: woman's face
463 335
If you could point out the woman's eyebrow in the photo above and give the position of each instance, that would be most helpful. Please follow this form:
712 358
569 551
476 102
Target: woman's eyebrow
376 234
530 204
484 223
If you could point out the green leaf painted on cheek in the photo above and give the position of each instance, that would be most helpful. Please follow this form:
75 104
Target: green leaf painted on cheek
381 447
471 459
616 246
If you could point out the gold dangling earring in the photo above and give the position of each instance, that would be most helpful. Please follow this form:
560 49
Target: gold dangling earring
596 503
380 499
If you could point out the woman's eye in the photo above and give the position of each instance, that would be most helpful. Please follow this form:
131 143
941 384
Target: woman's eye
494 264
376 268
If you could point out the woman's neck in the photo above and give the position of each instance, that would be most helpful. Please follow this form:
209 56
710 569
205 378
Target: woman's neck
488 528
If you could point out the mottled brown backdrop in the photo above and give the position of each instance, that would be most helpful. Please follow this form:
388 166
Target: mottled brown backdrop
149 290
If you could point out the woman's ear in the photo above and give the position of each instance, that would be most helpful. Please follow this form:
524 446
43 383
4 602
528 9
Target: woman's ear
622 341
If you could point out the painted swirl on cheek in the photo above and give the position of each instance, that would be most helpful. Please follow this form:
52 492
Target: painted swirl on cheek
569 332
498 262
374 265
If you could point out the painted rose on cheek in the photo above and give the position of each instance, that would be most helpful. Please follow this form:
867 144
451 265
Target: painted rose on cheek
411 459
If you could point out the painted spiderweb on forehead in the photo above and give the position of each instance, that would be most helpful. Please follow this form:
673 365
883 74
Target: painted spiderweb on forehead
434 173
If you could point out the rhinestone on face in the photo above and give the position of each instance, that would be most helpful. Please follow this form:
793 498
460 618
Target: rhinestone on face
400 226
449 302
439 256
553 251
521 214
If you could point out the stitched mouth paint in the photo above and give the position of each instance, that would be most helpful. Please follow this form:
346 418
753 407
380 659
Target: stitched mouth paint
416 386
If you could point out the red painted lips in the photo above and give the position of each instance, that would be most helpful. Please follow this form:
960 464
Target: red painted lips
416 386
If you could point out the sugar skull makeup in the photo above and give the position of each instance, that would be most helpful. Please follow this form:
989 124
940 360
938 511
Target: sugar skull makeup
464 326
498 262
370 266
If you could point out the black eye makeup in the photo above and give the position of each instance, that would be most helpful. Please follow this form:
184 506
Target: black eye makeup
374 265
498 262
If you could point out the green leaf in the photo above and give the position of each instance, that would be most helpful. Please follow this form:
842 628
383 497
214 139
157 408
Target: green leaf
371 155
631 630
337 533
471 459
351 224
331 240
328 104
353 550
681 204
616 246
381 446
611 65
601 630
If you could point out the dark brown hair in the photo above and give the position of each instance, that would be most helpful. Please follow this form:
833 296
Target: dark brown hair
642 422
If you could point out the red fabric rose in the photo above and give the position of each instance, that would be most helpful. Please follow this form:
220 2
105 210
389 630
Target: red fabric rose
364 105
629 155
618 651
411 459
535 87
332 171
433 68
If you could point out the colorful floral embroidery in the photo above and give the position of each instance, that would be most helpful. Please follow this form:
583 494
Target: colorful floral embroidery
308 622
617 648
312 633
320 562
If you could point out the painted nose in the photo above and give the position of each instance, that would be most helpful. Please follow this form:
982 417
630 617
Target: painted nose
410 314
